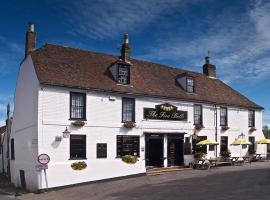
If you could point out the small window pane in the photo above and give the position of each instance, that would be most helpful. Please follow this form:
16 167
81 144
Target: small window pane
251 118
197 114
77 105
77 146
211 147
223 143
190 85
223 116
123 74
128 145
101 150
128 110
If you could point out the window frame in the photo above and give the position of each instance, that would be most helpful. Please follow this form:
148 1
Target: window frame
85 144
222 139
122 136
128 75
84 106
253 118
133 112
201 121
98 156
187 85
12 149
226 116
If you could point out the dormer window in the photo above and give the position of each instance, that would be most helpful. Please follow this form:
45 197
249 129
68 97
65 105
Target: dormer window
123 74
190 85
186 81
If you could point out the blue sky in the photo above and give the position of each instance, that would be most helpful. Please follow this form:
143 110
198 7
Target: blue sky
173 32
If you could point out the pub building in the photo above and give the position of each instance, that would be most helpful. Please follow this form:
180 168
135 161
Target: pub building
87 111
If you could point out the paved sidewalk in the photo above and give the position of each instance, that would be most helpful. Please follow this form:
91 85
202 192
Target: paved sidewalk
191 183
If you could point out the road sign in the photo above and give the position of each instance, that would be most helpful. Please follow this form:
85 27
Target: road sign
41 167
43 159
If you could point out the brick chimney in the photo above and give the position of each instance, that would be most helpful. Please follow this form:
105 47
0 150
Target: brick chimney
125 50
209 69
30 42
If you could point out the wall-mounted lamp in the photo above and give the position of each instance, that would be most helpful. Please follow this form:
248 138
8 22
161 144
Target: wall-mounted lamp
66 133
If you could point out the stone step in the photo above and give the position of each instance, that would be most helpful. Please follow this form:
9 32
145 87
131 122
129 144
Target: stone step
159 171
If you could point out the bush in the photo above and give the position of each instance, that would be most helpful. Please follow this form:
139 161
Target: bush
199 155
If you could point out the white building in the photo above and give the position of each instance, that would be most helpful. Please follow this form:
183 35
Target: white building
169 108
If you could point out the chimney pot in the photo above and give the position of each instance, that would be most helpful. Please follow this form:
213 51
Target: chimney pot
125 50
31 27
30 42
126 39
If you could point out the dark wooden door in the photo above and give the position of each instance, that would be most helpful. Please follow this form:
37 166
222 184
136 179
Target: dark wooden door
154 151
175 151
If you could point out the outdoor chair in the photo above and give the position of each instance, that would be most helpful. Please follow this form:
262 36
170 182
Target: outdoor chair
202 164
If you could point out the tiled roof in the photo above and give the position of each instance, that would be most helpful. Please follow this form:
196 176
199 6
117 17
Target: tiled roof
64 66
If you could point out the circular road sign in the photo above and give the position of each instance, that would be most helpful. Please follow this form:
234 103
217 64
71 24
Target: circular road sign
43 159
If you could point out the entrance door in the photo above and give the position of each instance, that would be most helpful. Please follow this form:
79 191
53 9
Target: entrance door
22 176
154 150
175 150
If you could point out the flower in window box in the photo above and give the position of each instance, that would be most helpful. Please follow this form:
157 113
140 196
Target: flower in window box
224 128
78 123
252 129
78 165
199 126
129 124
129 159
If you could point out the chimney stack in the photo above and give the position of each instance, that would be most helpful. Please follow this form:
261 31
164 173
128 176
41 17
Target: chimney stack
209 69
30 42
125 50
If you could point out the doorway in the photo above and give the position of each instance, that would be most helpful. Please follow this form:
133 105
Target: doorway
175 149
154 150
22 177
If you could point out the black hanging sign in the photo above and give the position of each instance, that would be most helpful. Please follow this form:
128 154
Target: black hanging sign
165 112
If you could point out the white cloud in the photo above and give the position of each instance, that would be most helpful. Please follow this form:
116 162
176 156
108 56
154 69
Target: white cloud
239 43
2 122
111 18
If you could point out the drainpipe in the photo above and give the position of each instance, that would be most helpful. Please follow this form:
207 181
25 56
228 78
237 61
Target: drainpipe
216 134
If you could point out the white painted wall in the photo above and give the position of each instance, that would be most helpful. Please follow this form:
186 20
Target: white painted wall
24 127
104 124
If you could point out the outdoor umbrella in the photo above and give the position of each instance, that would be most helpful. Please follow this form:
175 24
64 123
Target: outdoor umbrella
241 142
207 142
264 141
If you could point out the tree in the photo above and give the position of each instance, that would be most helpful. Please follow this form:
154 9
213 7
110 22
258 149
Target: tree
266 131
